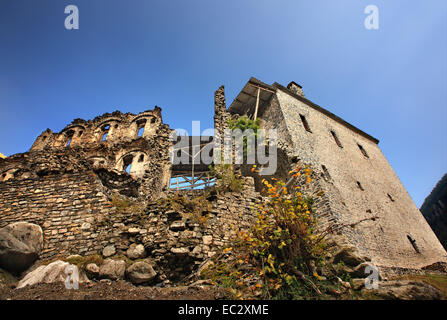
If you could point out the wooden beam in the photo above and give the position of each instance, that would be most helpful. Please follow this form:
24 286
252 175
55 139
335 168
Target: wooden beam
257 104
259 87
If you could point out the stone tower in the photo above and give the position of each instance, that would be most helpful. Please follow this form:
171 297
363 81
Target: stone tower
363 195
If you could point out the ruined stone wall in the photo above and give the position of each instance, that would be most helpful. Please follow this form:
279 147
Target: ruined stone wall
178 244
108 129
361 187
68 207
77 217
221 115
85 145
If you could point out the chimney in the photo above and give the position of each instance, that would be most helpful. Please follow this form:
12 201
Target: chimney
296 88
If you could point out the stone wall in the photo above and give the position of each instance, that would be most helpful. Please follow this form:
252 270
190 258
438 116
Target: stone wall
68 207
78 216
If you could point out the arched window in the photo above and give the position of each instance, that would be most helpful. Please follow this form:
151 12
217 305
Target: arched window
69 136
140 127
127 163
105 131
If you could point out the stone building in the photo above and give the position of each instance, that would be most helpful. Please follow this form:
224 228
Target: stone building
67 181
363 195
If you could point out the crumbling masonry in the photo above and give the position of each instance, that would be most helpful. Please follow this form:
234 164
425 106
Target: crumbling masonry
67 181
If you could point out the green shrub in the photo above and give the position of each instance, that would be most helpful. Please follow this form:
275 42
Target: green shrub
227 178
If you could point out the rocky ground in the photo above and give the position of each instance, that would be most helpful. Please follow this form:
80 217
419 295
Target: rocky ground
110 276
408 287
111 290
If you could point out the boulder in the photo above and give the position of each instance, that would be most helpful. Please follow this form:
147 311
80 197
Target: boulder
92 269
361 270
136 251
405 290
20 245
57 271
108 251
141 272
112 269
350 256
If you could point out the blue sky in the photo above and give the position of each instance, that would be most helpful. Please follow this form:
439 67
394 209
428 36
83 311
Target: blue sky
133 55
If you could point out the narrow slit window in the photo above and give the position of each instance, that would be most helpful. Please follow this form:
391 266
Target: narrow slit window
305 123
360 186
337 141
363 150
326 172
391 198
141 159
413 243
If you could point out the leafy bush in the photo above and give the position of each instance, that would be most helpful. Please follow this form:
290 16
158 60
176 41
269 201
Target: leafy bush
244 123
227 178
279 256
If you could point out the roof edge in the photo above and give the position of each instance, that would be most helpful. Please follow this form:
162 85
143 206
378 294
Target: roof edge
326 112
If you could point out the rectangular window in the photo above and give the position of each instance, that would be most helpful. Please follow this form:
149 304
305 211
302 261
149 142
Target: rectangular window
305 124
363 150
336 139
